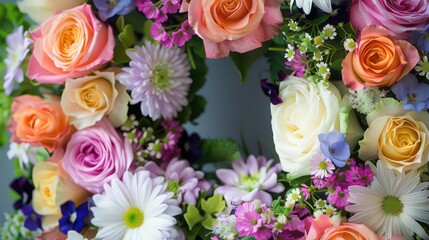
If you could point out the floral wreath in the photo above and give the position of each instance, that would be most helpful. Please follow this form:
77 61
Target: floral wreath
95 96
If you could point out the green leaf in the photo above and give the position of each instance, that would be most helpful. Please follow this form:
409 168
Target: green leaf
146 31
192 235
127 36
321 18
244 61
219 150
120 55
120 23
198 105
197 46
211 206
185 115
192 216
135 18
336 64
298 181
276 60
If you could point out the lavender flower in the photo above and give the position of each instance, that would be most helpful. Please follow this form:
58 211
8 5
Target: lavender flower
110 8
17 49
415 95
182 179
421 39
334 147
249 180
158 78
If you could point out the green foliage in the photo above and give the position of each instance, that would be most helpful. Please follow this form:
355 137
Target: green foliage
5 104
243 61
219 150
278 206
126 39
210 207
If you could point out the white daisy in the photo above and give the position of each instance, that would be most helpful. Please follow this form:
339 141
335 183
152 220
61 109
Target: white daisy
73 235
158 78
137 207
349 44
392 204
329 31
320 166
423 67
294 196
324 5
323 70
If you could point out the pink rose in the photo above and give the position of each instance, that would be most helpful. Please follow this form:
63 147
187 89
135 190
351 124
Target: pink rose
350 231
70 44
399 17
234 25
95 155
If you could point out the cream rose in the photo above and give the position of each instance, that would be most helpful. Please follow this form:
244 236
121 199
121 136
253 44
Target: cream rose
307 110
40 10
398 137
88 99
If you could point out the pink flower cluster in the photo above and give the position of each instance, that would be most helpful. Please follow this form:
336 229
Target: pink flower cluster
158 30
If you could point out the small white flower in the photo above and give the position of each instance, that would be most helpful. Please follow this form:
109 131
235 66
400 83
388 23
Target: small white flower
154 149
130 123
293 25
330 210
329 31
423 67
320 204
317 56
323 69
294 196
290 52
349 44
318 213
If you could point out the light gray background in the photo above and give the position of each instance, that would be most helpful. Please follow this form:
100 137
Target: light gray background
231 107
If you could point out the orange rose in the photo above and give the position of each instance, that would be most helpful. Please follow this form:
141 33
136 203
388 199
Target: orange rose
349 231
379 60
39 122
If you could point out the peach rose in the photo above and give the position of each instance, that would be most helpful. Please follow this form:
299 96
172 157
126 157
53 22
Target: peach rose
349 231
234 25
70 44
39 122
398 137
88 99
379 60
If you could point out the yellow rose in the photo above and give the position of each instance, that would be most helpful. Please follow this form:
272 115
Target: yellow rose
52 190
88 99
40 10
398 137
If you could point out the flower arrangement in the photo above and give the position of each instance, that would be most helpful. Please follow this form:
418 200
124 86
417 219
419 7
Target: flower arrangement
95 96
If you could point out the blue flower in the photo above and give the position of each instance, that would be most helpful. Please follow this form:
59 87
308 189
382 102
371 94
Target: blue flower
415 95
334 147
73 218
25 191
421 39
272 91
33 221
110 8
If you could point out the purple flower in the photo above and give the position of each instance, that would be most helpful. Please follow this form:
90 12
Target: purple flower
249 180
334 147
33 221
110 8
251 223
272 91
421 39
25 191
293 229
415 95
73 218
191 147
361 175
339 197
182 179
301 209
320 166
148 9
17 49
170 6
170 145
157 31
298 64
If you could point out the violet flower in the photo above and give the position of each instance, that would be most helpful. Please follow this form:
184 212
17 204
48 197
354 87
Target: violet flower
249 180
334 147
110 8
421 39
182 179
415 95
25 191
72 217
33 221
272 91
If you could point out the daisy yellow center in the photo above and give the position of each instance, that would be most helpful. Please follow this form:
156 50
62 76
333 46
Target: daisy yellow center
133 217
323 165
295 196
425 67
249 182
392 205
160 79
351 45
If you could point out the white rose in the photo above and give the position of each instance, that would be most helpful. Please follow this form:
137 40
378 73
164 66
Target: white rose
40 10
307 110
